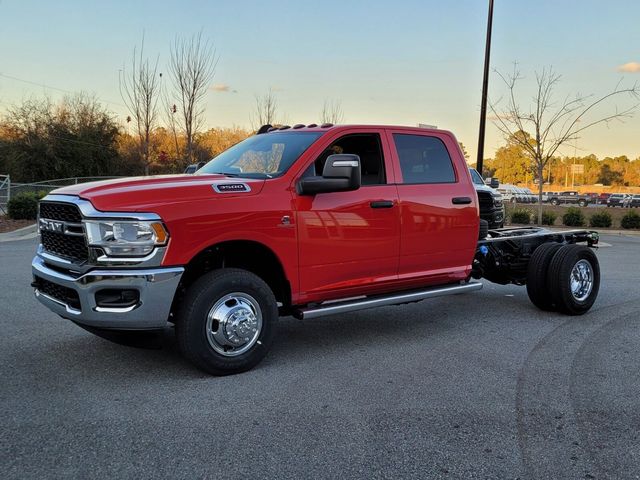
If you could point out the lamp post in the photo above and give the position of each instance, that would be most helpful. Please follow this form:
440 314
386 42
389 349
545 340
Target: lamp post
485 83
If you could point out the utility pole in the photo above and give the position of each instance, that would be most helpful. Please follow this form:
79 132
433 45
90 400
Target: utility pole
485 83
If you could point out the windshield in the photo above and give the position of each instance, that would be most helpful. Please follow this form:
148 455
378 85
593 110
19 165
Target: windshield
261 156
475 176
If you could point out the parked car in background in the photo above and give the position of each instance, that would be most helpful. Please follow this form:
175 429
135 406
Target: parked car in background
570 197
617 200
513 194
603 197
194 167
533 198
635 201
592 196
546 196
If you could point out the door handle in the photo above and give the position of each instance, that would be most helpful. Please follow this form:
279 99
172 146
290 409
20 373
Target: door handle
461 200
381 204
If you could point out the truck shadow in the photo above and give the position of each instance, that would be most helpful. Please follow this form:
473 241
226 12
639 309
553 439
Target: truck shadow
296 341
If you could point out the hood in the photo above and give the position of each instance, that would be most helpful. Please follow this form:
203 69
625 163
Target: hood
487 188
144 193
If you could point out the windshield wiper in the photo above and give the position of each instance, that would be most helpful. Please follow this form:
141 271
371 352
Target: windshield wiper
243 175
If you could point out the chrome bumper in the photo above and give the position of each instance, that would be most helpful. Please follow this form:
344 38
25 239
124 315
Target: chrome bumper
156 286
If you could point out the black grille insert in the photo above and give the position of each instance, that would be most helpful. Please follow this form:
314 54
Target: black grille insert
486 200
64 294
66 212
72 247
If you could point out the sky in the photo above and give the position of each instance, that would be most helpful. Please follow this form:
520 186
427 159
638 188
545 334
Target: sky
402 62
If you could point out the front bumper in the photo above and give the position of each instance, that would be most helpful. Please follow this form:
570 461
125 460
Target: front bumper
156 287
495 217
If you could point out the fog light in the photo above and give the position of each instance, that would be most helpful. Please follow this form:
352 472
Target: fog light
117 298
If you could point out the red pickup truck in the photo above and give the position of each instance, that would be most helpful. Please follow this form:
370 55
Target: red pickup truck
303 221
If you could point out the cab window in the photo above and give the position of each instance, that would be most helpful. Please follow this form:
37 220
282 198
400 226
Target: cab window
367 146
423 159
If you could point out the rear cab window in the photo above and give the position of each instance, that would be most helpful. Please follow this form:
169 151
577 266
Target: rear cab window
423 159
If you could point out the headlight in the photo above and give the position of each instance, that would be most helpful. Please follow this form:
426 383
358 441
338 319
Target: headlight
120 238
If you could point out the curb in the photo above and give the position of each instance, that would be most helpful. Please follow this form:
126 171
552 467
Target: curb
23 233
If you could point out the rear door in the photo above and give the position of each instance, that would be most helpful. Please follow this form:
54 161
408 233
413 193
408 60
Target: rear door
348 242
438 207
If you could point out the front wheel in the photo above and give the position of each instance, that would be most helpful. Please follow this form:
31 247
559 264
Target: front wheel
574 279
227 321
582 203
554 202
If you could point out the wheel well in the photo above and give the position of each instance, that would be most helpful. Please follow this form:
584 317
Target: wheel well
251 256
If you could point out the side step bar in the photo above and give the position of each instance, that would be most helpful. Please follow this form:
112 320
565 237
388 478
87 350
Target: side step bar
382 300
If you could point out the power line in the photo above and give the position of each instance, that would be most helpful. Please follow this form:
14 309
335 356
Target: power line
49 87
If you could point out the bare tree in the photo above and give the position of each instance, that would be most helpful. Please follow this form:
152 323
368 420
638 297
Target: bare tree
553 123
265 112
192 67
332 112
170 110
140 90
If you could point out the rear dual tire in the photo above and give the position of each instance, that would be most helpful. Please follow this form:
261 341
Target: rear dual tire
563 278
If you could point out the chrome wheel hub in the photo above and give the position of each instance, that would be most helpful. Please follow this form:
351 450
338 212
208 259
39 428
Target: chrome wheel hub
581 280
234 324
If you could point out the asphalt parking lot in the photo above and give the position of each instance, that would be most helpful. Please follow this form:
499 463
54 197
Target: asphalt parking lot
471 386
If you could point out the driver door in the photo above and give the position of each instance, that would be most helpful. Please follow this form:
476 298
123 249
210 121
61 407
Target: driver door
348 242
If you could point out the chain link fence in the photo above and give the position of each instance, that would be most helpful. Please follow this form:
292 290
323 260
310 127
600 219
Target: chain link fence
9 190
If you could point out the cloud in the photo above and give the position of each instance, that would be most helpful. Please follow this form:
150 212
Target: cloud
221 87
631 67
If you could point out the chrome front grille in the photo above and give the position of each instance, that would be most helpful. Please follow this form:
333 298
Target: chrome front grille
61 231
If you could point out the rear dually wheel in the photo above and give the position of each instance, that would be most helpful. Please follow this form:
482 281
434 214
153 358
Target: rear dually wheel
574 279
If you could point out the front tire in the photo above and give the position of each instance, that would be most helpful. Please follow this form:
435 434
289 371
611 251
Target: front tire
227 321
574 279
483 230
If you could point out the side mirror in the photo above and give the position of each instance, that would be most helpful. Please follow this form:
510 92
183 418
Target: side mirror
341 173
494 183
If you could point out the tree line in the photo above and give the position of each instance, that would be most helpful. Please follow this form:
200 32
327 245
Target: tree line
78 137
511 164
163 131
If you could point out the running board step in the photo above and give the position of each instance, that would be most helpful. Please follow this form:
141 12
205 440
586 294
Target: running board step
380 300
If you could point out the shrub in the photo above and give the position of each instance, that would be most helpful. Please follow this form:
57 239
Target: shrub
573 218
602 219
631 219
521 216
24 206
548 218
